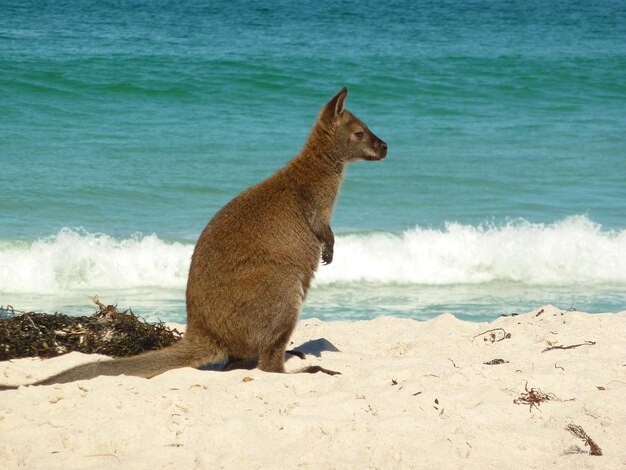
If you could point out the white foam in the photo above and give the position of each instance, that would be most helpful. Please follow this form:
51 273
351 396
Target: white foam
568 252
573 251
76 260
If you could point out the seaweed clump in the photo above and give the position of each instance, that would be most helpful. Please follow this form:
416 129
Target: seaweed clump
579 432
533 397
108 331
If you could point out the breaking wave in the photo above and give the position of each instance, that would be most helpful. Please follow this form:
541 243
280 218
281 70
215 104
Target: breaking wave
573 251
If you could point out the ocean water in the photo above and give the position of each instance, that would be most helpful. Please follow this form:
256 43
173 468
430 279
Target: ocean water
125 125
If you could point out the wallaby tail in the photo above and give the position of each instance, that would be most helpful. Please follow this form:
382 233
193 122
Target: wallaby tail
188 352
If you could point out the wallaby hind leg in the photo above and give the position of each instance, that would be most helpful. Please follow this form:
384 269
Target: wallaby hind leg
234 363
275 362
272 358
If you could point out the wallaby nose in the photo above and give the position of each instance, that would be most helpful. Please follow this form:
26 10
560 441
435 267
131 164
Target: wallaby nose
383 149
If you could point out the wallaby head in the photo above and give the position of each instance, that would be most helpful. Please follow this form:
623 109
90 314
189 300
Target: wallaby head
351 139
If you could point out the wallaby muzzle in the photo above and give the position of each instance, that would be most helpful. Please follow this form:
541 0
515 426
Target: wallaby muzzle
380 148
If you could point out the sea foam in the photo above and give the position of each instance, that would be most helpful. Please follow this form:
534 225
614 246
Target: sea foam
573 251
74 260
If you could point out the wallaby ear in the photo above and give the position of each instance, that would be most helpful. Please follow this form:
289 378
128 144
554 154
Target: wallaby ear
335 106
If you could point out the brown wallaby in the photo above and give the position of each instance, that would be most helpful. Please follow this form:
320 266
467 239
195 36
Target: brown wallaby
254 262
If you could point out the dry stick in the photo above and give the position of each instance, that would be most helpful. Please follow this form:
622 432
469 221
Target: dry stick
586 343
578 431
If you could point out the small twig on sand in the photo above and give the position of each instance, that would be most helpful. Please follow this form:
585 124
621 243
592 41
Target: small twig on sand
105 455
579 432
586 343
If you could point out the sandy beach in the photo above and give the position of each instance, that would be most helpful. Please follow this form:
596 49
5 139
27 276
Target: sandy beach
442 393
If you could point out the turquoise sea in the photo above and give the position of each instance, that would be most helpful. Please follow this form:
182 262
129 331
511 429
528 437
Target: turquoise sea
125 125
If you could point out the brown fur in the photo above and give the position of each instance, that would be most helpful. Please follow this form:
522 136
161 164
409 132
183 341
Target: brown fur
254 262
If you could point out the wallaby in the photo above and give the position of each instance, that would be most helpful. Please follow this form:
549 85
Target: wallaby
254 262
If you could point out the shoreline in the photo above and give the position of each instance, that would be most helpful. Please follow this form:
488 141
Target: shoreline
411 395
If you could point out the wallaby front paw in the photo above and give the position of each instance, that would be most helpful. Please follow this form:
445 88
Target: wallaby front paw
327 256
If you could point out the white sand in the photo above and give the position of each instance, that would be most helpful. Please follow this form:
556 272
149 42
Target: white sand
411 395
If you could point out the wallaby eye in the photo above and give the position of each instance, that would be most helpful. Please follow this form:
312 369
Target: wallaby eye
359 134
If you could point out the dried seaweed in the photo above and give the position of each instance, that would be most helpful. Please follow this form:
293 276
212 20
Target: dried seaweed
533 397
108 331
579 432
494 362
572 346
